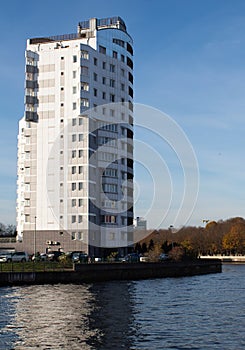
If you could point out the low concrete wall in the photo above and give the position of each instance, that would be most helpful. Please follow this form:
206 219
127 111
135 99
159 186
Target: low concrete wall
88 273
133 271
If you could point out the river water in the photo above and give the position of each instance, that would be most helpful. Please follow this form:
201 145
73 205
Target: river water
200 312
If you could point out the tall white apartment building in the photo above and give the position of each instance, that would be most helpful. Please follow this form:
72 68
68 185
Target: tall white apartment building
75 143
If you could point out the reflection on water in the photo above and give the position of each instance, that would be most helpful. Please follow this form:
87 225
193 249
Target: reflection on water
199 312
65 317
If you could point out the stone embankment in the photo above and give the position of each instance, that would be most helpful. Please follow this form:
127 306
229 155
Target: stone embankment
89 273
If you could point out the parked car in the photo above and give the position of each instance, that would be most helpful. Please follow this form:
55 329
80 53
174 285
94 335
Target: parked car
79 257
54 256
5 257
131 258
39 257
163 257
14 257
144 259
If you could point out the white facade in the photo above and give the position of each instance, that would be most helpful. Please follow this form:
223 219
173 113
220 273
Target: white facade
75 143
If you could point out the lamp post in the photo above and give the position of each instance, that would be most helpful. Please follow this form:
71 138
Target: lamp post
35 233
171 230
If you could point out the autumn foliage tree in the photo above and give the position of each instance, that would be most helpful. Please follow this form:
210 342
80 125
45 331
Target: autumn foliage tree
215 238
234 240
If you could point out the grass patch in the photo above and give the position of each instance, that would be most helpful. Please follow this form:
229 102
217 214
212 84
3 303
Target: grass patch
31 266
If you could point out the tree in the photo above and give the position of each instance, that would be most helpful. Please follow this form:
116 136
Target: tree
234 240
151 245
177 254
9 230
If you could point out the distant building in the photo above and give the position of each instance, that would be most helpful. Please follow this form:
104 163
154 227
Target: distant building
140 223
67 192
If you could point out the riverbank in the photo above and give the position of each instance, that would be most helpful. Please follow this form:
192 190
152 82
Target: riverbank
89 273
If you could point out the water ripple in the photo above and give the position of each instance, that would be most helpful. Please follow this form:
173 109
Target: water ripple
193 313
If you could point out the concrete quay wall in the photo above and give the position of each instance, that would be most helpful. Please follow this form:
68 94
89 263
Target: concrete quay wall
89 273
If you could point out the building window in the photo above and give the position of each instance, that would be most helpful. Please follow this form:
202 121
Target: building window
102 49
95 61
80 202
74 59
73 153
130 92
104 65
112 98
84 86
73 202
73 170
112 83
95 92
103 95
73 236
95 77
74 74
80 121
80 169
111 188
112 68
112 112
122 72
27 218
112 236
73 186
27 171
114 54
74 121
104 80
80 137
104 111
74 106
74 90
73 219
122 58
84 102
80 153
84 55
74 137
130 77
118 42
80 236
27 202
80 219
110 219
80 186
122 87
130 49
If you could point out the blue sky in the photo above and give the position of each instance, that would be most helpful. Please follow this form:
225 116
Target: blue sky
189 63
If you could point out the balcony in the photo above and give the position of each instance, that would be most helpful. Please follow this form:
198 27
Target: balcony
31 100
31 116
